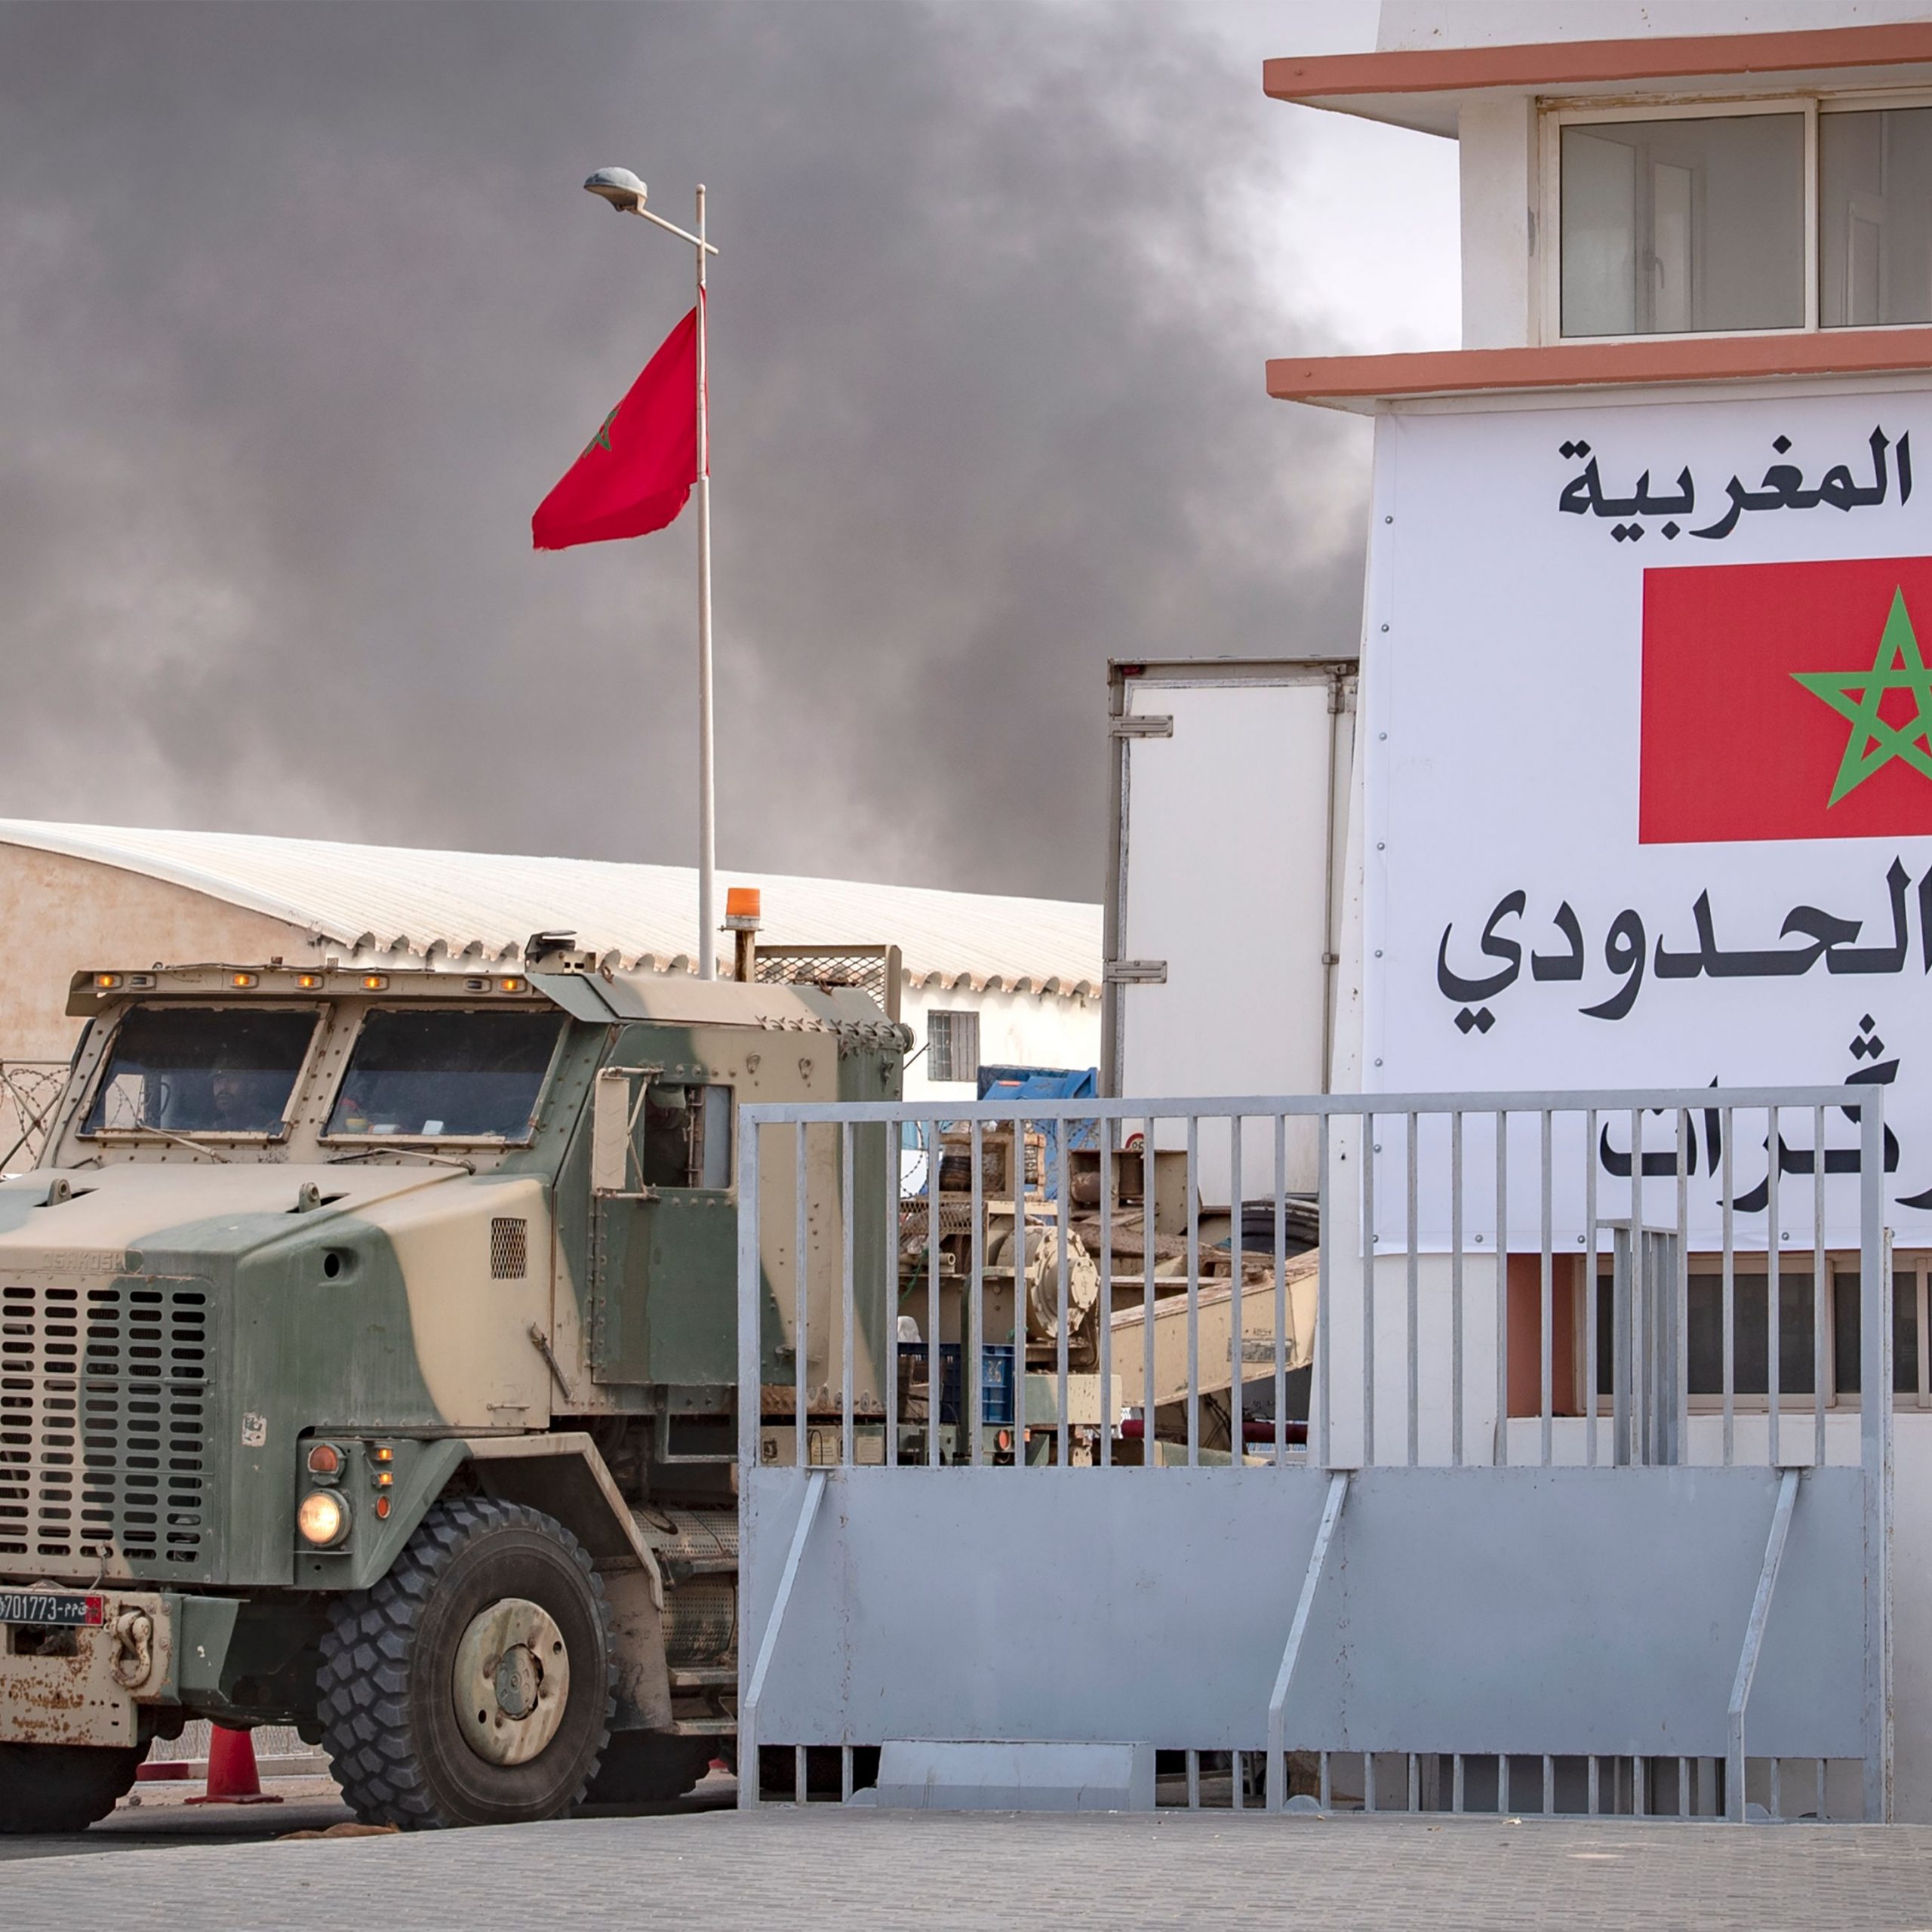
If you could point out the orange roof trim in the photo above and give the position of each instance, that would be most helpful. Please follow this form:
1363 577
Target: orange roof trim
1360 382
1549 67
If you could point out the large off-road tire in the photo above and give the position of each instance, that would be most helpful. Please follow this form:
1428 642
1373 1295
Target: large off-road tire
63 1787
646 1767
473 1685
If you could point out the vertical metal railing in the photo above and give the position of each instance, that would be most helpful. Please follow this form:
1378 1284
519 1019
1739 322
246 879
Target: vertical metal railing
1647 1297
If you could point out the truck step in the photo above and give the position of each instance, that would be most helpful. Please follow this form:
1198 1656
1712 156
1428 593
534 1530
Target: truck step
704 1727
706 1676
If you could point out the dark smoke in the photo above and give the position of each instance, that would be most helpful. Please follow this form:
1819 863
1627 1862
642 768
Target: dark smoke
302 310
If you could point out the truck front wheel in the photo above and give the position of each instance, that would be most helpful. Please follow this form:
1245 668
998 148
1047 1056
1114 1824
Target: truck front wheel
473 1685
63 1787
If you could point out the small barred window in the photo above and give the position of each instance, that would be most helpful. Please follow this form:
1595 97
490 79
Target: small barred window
954 1041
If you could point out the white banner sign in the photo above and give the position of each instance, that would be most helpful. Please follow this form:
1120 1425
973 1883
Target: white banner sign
1647 744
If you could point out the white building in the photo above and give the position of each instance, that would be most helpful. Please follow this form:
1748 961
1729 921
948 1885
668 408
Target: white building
1605 691
985 979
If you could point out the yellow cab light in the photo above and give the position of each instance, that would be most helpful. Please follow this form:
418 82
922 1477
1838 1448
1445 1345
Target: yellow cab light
309 981
382 1453
386 1479
375 983
106 982
244 979
510 985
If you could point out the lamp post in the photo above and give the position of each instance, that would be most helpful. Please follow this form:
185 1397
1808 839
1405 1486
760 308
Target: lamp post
626 193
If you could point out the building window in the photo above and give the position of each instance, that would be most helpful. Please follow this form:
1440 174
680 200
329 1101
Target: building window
1845 1325
1875 194
1796 1335
1672 226
1799 215
952 1042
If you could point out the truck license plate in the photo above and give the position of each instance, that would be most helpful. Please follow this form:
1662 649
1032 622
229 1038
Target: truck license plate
42 1607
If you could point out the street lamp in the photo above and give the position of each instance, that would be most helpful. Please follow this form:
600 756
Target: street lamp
626 193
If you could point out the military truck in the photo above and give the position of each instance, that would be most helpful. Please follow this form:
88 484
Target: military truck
367 1364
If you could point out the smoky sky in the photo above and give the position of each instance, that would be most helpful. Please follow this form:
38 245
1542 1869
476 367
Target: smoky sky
302 310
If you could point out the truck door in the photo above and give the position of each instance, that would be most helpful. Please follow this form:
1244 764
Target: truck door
664 1240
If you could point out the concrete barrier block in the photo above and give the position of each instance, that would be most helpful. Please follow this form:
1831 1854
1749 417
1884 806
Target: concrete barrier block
928 1774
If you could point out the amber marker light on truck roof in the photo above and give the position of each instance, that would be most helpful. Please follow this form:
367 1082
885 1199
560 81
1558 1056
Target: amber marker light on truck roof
323 1518
309 981
375 983
106 982
510 985
244 979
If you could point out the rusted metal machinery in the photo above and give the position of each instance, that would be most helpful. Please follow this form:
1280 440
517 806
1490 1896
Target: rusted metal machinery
976 1211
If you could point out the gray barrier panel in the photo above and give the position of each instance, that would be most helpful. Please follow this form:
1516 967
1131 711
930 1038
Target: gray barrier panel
1563 1611
1551 1510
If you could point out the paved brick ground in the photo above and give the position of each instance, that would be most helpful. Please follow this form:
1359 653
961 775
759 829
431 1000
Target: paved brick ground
831 1868
158 1817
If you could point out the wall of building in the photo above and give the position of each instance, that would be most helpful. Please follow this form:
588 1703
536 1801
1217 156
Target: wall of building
1017 1029
59 916
1502 192
1420 23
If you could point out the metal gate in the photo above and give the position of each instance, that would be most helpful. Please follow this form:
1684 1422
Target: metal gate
1544 1482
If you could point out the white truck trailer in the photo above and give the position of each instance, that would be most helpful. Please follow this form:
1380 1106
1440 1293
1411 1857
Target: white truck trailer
1228 826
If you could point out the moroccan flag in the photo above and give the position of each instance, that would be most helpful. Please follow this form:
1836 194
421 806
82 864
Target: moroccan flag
1787 701
636 473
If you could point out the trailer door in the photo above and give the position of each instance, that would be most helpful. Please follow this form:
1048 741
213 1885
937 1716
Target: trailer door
1230 805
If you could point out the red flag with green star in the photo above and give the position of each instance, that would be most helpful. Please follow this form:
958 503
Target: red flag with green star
1786 701
636 473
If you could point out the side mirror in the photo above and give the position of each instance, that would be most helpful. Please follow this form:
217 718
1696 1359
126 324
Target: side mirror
610 1113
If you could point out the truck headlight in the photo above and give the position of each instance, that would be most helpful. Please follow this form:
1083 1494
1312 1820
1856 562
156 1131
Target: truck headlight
323 1518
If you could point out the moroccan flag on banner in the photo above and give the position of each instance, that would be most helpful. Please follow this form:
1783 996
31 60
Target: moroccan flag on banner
1787 701
636 473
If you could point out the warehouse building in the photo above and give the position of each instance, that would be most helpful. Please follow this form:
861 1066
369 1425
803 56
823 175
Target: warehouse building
981 978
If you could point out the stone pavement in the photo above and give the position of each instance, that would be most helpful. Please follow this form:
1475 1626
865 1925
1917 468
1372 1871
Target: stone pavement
158 1816
829 1867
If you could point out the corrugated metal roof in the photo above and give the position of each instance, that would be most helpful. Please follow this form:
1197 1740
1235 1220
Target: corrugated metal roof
396 898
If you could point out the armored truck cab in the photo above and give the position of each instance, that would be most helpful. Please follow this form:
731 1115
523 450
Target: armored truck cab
367 1361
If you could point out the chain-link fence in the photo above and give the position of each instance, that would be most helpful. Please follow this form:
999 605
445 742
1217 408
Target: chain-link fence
28 1089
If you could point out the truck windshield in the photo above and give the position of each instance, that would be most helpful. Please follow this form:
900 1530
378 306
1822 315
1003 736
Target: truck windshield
188 1069
436 1073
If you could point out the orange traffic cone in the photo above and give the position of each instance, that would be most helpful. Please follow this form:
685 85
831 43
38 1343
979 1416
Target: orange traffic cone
232 1778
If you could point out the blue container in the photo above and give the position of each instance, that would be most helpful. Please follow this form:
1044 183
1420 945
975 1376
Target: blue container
996 1380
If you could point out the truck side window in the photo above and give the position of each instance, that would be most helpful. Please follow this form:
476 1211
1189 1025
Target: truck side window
687 1136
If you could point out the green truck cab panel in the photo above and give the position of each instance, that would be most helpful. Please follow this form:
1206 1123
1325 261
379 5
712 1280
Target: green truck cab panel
662 1264
246 1295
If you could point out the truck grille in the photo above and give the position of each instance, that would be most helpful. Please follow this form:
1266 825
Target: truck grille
103 1451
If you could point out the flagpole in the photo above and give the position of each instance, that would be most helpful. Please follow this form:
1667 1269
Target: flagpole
707 804
626 193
